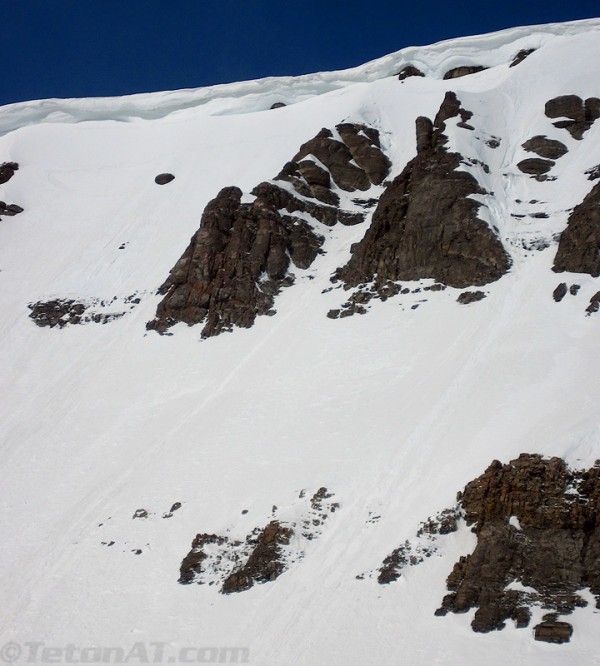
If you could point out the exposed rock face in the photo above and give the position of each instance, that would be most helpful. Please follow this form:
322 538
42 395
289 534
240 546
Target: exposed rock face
580 114
264 564
408 71
234 265
164 178
521 55
551 631
425 225
191 564
535 166
465 70
7 171
240 257
579 246
545 147
594 305
537 524
9 209
277 105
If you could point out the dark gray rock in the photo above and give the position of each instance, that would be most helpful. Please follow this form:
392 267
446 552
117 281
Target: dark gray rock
164 178
560 292
470 297
521 55
594 305
535 166
465 70
545 147
408 71
580 114
553 632
578 248
278 105
426 225
7 171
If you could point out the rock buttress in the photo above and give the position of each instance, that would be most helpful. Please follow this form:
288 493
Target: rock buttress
579 246
537 524
234 265
425 225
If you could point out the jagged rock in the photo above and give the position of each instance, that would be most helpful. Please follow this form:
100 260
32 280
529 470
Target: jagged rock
560 292
356 162
535 166
277 105
62 312
553 632
594 305
164 178
10 210
7 171
465 70
234 265
545 147
470 297
537 523
574 289
593 173
580 241
426 225
408 71
264 564
140 513
191 565
521 55
581 114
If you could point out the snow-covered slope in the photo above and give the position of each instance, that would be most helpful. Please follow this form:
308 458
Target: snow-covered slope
393 412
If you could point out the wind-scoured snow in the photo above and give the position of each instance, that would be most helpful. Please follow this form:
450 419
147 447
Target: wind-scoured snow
394 411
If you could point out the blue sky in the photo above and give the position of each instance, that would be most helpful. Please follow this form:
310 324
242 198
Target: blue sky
83 48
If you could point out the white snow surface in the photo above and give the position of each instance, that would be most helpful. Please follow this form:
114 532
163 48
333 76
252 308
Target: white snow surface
394 411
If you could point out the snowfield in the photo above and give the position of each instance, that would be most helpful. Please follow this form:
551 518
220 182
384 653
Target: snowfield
393 412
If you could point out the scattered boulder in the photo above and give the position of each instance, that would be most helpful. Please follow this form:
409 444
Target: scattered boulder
10 209
464 70
580 241
580 115
470 297
426 224
560 292
63 312
408 71
553 631
521 55
140 513
593 173
574 289
7 171
545 147
164 178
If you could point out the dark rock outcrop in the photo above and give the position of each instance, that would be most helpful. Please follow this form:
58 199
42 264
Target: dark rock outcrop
544 147
470 297
277 105
265 562
238 260
9 209
426 225
164 178
465 70
537 524
63 312
7 171
579 245
521 55
580 114
234 265
191 565
408 71
560 292
594 305
552 631
535 166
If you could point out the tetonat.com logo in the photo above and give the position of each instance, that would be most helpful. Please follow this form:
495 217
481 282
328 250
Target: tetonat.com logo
38 652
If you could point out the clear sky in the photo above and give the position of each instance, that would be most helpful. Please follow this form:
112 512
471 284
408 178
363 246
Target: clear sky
84 48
